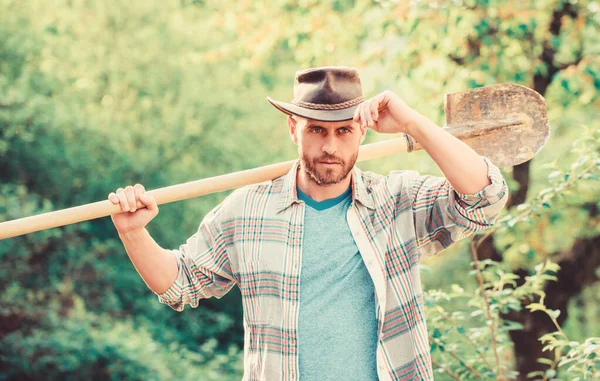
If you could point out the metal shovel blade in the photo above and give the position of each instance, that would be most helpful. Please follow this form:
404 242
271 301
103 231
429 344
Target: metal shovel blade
508 123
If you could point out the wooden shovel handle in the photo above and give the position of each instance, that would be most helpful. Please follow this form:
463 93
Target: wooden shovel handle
181 191
507 122
468 132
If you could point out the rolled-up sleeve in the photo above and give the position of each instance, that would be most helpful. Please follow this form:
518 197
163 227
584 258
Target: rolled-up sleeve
442 216
204 269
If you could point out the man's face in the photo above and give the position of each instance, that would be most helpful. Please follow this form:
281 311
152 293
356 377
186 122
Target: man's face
327 150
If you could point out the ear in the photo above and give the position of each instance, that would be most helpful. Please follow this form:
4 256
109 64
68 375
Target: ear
292 129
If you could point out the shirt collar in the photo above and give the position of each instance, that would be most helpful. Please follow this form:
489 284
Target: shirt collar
289 194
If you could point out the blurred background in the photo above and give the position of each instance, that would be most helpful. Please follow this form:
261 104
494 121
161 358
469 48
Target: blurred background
96 95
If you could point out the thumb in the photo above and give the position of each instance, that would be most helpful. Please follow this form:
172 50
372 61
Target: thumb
149 201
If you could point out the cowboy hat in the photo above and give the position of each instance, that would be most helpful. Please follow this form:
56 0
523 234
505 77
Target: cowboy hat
327 93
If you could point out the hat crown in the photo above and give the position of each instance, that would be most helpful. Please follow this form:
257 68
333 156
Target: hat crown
326 93
327 85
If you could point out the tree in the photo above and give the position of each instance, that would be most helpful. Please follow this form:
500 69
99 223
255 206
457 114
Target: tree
93 97
422 47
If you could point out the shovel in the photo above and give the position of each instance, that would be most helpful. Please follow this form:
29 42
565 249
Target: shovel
507 123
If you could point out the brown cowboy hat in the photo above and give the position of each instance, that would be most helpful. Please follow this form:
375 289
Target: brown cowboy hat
327 93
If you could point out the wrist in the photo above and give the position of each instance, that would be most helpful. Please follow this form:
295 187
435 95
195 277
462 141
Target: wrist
131 235
414 124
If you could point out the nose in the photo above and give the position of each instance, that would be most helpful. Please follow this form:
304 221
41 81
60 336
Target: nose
329 145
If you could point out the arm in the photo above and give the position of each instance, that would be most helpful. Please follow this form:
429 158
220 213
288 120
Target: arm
471 196
441 215
199 269
203 266
445 209
464 168
156 266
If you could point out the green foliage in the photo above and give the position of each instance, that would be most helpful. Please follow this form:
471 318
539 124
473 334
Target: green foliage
88 346
94 97
469 342
533 227
579 359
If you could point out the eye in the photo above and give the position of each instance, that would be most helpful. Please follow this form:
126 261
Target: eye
344 130
316 129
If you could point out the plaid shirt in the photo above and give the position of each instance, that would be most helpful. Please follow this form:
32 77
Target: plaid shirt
253 239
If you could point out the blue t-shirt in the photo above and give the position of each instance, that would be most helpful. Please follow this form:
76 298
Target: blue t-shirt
337 331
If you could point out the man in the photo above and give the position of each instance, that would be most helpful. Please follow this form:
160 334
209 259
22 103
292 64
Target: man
326 257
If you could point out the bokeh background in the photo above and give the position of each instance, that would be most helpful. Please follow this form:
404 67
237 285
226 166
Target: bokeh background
96 95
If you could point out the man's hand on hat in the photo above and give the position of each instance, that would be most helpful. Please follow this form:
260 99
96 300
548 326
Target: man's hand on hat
386 113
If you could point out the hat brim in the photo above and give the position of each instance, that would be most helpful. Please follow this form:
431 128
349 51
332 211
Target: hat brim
321 115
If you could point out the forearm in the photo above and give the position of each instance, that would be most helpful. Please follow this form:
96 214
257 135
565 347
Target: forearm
156 266
464 168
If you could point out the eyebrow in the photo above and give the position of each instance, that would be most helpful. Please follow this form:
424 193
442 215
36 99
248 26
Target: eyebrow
337 128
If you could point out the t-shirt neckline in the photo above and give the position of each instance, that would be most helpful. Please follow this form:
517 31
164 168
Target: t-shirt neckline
325 204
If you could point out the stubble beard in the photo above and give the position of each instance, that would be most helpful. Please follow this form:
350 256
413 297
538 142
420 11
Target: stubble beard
321 175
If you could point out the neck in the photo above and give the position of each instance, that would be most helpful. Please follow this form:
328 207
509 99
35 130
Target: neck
320 192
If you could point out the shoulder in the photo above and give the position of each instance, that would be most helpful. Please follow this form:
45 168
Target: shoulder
260 190
393 182
239 200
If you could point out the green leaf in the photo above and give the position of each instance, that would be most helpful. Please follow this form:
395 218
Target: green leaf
536 307
476 313
546 361
554 174
535 374
554 313
591 176
513 325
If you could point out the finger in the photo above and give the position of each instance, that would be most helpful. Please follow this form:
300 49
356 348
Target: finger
112 196
149 201
356 117
139 190
363 116
359 114
368 114
374 111
130 197
123 199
